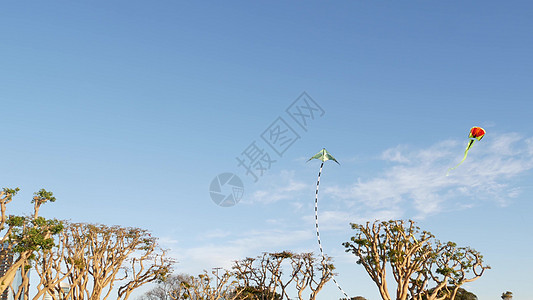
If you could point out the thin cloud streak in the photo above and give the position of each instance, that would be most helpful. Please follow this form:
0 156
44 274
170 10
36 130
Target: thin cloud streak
414 184
248 244
282 187
418 177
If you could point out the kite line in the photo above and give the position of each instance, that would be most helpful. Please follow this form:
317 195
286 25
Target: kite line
323 155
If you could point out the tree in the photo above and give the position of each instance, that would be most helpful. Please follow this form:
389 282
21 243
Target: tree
261 277
171 285
54 266
391 242
449 267
253 278
96 258
205 287
308 271
24 236
415 258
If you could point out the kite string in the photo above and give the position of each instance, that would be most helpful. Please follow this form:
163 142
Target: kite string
318 233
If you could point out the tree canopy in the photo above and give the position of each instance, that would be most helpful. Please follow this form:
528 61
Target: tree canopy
23 236
253 278
422 266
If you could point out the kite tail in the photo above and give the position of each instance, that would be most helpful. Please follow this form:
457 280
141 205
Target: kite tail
318 233
464 157
316 211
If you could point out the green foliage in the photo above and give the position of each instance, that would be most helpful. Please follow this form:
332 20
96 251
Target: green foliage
10 192
507 295
33 234
256 292
43 196
283 255
462 294
26 234
29 234
15 221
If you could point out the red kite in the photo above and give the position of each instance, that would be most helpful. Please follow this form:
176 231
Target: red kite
476 133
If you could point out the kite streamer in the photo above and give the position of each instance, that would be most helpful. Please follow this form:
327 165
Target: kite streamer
323 155
476 133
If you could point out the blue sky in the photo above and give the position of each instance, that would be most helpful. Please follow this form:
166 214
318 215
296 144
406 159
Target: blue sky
128 110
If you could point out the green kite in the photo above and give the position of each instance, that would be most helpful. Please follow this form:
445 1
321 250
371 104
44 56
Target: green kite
324 155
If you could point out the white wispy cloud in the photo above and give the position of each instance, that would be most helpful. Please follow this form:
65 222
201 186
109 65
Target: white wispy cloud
247 244
278 187
395 154
214 234
412 183
417 178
